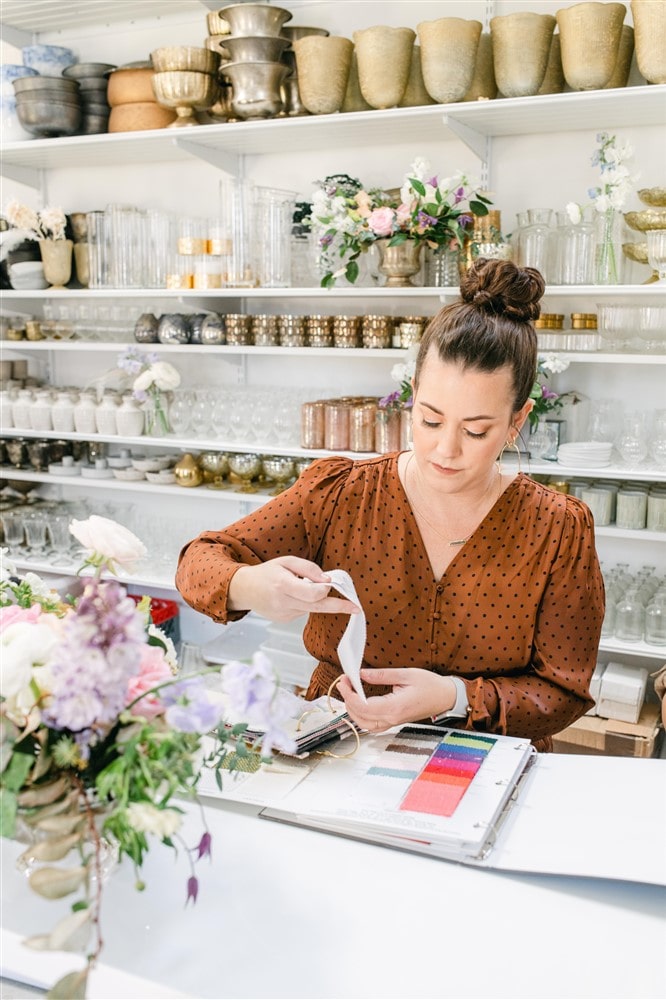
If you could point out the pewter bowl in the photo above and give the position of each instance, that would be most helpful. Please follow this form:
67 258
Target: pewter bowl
255 18
256 88
86 71
47 119
52 84
243 49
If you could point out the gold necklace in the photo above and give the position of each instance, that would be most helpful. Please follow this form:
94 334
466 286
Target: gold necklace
455 541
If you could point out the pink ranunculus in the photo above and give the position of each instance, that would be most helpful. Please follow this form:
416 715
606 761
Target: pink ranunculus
13 613
153 670
402 214
381 220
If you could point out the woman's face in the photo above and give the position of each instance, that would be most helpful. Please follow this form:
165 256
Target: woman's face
461 420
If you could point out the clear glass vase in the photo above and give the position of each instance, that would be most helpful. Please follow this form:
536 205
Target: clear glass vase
608 256
156 416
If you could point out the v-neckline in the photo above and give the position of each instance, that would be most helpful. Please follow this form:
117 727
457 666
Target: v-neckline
424 551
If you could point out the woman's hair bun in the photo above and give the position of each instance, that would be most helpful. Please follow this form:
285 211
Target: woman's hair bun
499 287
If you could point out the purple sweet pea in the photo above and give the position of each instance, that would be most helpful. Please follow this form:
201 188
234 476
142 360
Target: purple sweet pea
203 849
192 889
190 709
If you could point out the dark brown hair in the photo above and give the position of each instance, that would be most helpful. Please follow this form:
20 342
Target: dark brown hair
492 326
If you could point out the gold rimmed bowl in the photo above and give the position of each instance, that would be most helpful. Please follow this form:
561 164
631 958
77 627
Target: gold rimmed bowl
636 252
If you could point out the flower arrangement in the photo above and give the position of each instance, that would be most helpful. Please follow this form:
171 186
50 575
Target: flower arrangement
607 198
151 377
47 224
402 398
545 400
101 738
347 218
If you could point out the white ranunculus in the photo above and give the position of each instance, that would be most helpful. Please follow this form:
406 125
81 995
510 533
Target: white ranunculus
574 212
109 539
147 818
165 376
144 380
25 646
39 588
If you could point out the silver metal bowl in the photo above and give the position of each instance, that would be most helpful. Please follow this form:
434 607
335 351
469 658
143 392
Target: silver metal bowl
296 31
54 84
255 49
278 467
46 119
84 71
256 88
245 464
255 18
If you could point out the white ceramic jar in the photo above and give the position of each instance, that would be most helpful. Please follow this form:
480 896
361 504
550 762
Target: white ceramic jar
129 418
84 414
6 407
62 413
21 409
40 411
106 413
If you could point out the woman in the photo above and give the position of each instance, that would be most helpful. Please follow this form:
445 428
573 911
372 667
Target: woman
481 588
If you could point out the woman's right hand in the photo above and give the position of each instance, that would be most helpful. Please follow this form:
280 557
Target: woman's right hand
285 588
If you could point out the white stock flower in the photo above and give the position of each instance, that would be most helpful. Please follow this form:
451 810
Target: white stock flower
109 539
144 817
574 212
25 646
553 363
398 372
144 380
39 588
420 168
7 566
165 376
602 203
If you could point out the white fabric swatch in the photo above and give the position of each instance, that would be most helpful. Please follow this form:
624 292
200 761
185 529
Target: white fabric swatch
352 643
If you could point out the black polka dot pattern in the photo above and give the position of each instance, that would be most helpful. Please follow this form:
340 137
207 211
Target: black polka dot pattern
517 614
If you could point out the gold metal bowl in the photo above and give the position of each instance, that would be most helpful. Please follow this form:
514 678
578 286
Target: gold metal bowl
636 251
185 57
648 218
185 91
656 196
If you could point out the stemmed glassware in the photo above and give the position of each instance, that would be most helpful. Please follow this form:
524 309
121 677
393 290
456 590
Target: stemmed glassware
656 252
12 526
35 525
61 538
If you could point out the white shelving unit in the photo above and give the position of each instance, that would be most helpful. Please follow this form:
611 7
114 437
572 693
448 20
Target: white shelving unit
492 133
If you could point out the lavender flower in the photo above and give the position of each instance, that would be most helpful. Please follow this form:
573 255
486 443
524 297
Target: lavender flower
254 695
99 651
190 708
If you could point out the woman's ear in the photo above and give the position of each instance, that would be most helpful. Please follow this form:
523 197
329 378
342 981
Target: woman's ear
521 416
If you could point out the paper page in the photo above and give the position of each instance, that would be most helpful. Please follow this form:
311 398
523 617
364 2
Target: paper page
601 817
352 644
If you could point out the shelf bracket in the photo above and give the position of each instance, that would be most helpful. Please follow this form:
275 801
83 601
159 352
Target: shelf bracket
229 162
30 176
474 140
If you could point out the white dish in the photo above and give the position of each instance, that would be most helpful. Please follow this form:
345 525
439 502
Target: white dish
164 477
119 462
128 475
155 463
58 469
26 275
91 472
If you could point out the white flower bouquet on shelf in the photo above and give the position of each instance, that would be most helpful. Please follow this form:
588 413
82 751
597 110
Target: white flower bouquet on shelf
102 740
150 378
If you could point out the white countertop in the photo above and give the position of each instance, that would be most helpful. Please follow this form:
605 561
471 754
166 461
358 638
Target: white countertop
290 913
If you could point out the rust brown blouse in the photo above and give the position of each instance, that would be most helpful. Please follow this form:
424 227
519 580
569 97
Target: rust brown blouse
517 614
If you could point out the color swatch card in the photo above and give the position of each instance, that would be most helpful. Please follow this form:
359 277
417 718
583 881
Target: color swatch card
445 788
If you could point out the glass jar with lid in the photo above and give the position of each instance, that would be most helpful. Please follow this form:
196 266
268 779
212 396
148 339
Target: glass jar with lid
575 249
583 334
535 241
549 332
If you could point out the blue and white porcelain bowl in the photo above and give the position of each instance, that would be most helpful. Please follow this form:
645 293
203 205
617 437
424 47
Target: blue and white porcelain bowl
48 60
10 72
12 130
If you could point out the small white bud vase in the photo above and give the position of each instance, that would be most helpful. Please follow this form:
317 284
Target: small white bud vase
6 415
129 418
62 413
40 411
84 414
105 415
21 409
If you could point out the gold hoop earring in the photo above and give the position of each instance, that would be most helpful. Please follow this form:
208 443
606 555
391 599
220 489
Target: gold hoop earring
510 443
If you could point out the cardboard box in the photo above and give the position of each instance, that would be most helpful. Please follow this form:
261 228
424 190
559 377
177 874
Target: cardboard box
594 735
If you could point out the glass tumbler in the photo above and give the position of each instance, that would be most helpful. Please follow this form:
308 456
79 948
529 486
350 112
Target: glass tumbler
98 250
274 212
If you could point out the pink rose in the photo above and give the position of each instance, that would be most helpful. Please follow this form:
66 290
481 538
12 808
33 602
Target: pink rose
403 214
153 670
13 614
380 221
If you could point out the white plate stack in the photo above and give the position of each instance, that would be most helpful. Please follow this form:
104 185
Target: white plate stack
585 454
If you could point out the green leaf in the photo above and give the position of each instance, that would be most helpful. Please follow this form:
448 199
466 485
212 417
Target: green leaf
8 808
70 987
351 271
399 238
328 281
418 186
431 208
17 771
239 729
82 904
478 208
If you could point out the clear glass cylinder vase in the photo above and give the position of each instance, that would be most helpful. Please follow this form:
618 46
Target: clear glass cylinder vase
608 255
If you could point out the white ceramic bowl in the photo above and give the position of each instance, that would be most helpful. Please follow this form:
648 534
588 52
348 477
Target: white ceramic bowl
164 476
26 275
48 60
129 475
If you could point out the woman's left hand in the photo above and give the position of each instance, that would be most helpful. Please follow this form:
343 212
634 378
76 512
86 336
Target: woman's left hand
417 694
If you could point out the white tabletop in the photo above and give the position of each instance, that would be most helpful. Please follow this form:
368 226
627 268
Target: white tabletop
285 912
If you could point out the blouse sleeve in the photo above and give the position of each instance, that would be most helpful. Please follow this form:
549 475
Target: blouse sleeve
292 523
554 689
